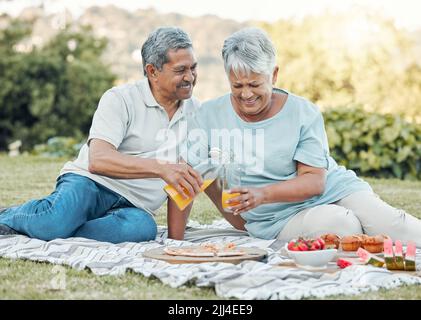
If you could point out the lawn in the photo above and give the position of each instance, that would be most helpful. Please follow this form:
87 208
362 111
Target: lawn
25 178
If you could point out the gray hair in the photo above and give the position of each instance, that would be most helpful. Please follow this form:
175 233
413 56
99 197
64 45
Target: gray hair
159 42
249 49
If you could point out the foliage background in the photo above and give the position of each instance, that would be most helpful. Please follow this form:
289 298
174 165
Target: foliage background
373 144
362 70
52 90
346 60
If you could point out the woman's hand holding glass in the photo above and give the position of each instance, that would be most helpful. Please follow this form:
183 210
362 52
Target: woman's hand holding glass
235 198
245 200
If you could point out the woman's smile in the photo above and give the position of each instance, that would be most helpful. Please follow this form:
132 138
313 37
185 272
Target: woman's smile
249 102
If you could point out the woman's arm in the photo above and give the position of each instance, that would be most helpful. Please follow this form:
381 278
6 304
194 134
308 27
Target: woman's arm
177 220
310 182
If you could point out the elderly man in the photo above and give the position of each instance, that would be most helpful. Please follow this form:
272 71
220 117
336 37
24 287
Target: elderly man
109 193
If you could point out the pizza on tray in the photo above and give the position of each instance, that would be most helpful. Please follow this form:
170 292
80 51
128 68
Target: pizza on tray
206 250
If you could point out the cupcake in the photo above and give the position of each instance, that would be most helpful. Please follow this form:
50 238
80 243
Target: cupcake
362 237
373 244
350 243
331 240
385 237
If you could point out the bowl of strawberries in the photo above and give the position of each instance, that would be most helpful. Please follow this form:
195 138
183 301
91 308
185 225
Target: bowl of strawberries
310 253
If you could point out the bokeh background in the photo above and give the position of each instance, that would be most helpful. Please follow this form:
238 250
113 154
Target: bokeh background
360 61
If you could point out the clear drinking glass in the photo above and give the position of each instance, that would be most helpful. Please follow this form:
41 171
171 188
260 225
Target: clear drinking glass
231 179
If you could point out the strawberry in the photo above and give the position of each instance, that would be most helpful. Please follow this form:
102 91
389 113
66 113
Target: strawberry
321 243
315 245
302 246
303 241
342 263
306 244
291 246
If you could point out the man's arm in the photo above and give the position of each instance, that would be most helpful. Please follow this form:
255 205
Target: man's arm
104 159
177 220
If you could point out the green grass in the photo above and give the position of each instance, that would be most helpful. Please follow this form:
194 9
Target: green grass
26 178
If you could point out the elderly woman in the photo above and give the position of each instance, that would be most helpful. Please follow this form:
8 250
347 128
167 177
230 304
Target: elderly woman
294 187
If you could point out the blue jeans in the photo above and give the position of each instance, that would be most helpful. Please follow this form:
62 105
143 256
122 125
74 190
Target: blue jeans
80 207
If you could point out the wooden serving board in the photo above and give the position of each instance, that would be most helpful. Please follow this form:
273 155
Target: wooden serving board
332 267
251 254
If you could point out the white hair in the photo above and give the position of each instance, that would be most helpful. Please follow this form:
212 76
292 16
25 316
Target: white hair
249 50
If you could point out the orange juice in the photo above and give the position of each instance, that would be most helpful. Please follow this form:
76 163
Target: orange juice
182 202
226 196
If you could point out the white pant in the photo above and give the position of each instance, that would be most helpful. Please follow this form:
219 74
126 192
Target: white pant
360 212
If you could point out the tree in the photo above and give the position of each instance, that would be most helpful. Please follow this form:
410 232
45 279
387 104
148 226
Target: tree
355 58
52 90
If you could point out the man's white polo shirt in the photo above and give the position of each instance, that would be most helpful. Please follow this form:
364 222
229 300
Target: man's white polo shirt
129 118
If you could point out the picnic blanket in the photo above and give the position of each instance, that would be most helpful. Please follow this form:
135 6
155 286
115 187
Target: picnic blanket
247 280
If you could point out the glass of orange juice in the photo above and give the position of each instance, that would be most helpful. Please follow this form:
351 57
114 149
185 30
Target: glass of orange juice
180 201
209 173
231 178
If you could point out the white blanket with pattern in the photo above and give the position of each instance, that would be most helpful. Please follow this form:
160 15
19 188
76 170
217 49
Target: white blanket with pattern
247 280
